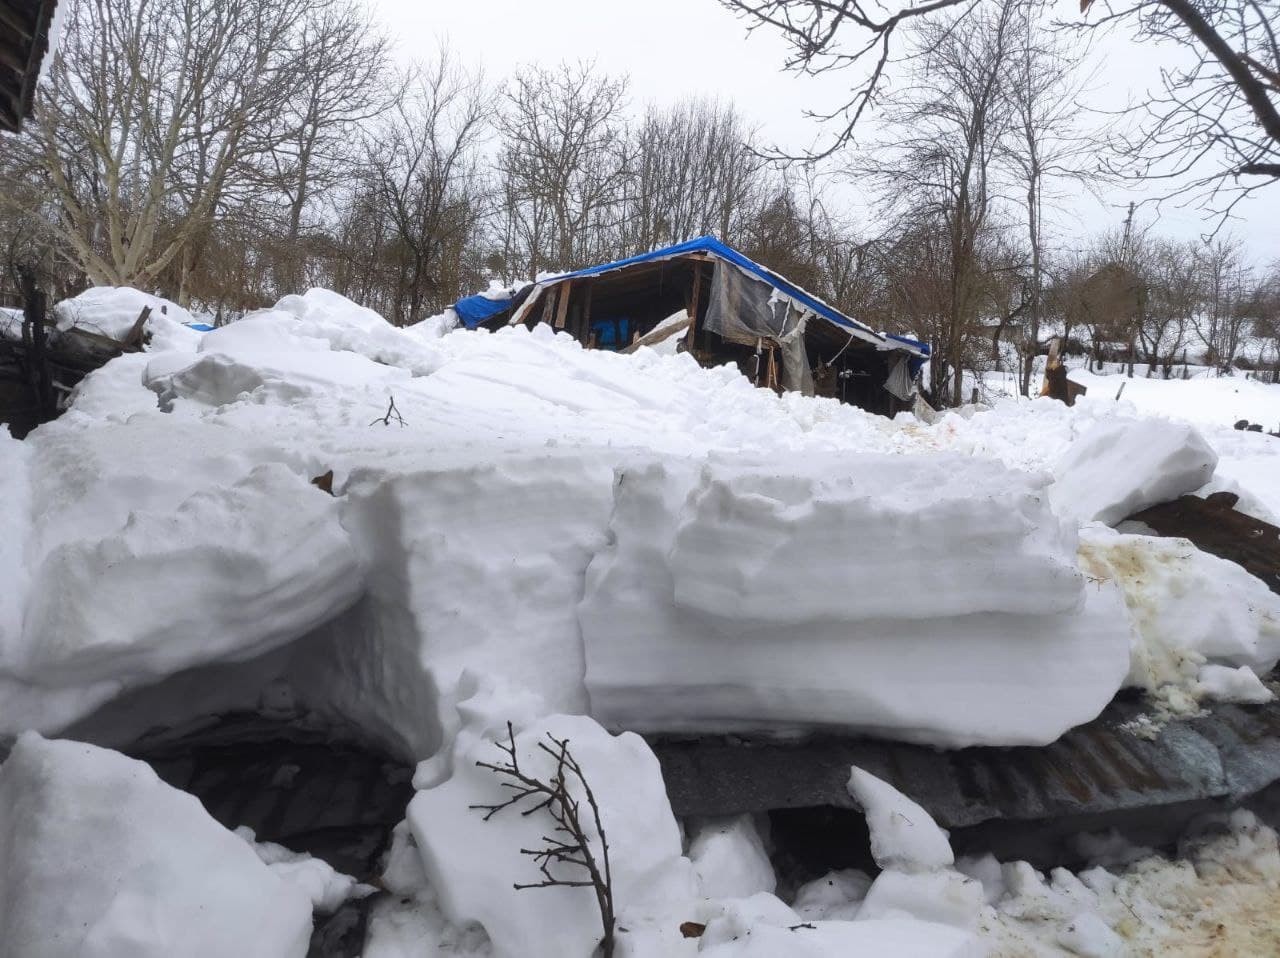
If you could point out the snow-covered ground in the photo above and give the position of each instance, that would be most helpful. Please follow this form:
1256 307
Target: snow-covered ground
520 530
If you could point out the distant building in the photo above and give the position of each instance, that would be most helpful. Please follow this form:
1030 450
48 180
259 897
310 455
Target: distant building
706 298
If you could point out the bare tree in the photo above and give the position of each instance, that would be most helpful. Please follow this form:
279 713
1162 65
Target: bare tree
158 118
1215 128
422 166
692 173
563 162
938 161
1218 120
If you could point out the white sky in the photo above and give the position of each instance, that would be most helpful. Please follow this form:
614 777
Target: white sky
675 48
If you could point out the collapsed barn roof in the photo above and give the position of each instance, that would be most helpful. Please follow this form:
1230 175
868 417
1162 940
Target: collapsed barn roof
24 40
476 310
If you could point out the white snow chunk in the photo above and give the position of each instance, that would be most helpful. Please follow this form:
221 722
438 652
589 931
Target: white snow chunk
229 574
104 860
730 860
15 523
1088 936
836 895
945 897
904 836
1118 468
1225 684
326 887
473 863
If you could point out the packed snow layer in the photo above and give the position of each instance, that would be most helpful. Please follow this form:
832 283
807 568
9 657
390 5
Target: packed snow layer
470 566
961 680
1187 608
103 860
229 574
1117 469
853 537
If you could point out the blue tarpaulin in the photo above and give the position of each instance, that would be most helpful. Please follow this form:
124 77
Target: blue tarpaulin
476 309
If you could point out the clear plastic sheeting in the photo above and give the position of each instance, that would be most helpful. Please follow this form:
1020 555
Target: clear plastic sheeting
745 310
900 382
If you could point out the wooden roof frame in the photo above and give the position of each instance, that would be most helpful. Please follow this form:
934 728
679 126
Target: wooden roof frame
24 40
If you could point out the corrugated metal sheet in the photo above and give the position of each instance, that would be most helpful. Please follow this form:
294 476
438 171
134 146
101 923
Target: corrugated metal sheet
1097 769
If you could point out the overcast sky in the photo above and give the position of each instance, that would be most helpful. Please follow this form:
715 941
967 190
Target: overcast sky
674 48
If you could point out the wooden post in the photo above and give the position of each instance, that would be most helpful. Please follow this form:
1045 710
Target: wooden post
584 331
562 307
693 306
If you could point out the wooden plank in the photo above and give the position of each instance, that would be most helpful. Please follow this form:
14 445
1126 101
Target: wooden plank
584 321
562 306
657 336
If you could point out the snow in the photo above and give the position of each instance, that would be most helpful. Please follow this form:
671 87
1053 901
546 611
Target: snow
835 939
730 861
103 860
1225 684
326 888
1187 608
903 836
1206 401
231 572
582 542
1119 468
112 311
462 851
1217 898
654 665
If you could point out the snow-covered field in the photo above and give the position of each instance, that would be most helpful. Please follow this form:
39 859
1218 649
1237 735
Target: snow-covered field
524 531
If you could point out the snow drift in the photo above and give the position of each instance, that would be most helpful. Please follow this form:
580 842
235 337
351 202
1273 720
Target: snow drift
103 860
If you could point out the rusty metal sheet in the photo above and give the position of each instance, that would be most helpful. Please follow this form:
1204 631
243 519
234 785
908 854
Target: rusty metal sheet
1096 769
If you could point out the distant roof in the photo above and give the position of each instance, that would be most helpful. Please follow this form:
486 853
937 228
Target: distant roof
475 309
24 40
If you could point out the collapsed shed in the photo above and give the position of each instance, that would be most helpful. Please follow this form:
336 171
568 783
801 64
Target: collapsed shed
720 306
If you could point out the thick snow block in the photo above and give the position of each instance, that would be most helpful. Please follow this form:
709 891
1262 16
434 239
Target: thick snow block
985 678
231 573
101 859
471 566
474 863
853 537
1119 468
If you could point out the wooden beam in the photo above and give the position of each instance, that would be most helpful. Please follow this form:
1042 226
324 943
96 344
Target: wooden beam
19 25
562 306
693 307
